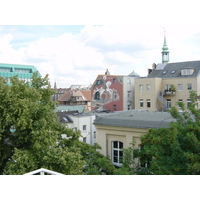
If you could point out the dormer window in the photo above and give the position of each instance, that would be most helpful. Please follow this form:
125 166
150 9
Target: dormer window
187 72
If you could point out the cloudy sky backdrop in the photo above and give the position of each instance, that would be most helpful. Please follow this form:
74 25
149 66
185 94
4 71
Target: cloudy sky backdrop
76 54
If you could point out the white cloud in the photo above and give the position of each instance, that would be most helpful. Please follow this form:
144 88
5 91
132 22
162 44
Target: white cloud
78 59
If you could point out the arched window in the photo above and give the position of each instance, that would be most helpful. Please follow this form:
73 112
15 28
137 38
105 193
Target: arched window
117 152
97 96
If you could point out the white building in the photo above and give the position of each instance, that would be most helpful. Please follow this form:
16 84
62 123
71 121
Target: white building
82 122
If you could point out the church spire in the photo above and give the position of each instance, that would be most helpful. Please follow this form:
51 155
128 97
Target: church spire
55 86
165 52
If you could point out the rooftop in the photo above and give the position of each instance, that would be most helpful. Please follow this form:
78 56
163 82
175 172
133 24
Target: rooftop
173 70
135 119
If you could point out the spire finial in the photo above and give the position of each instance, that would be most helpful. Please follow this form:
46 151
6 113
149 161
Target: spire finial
165 52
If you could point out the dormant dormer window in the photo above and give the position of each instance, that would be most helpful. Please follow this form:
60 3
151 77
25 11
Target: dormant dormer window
187 72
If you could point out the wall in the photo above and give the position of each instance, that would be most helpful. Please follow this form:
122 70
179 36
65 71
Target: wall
158 85
107 85
81 120
107 134
152 94
129 87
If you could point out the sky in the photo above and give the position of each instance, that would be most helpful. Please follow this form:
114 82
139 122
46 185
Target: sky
73 49
76 54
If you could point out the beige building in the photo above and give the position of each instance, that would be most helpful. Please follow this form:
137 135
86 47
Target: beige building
167 84
115 131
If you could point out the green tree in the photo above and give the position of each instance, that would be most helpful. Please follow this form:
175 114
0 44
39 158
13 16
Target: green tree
174 150
30 132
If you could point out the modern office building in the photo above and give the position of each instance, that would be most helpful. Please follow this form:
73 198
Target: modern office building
24 72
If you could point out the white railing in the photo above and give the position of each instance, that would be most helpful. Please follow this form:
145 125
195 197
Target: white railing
42 171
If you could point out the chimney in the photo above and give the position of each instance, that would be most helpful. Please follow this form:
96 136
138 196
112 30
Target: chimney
153 66
149 71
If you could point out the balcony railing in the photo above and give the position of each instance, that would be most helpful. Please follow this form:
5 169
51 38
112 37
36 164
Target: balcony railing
169 92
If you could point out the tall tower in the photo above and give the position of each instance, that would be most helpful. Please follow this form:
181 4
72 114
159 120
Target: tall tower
165 52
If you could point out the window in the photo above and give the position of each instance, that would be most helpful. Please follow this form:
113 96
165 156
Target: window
168 103
129 81
141 88
148 103
5 69
94 134
129 107
148 87
115 94
98 82
114 107
141 103
168 86
84 139
22 70
180 87
114 80
187 72
180 100
84 127
188 102
189 86
117 153
97 96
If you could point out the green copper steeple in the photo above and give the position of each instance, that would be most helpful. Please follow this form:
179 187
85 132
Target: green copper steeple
165 52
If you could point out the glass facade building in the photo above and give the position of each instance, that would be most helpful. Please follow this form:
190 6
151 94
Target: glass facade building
23 72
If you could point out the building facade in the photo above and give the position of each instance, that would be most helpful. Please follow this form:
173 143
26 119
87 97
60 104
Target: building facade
23 72
118 130
167 84
76 97
113 92
82 122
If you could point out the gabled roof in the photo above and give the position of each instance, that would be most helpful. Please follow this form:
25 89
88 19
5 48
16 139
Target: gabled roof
65 97
173 70
87 95
134 74
84 95
64 116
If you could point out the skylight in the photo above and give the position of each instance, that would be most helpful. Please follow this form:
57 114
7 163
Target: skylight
173 71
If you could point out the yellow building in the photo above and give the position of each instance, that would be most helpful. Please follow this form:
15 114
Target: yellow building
117 130
167 84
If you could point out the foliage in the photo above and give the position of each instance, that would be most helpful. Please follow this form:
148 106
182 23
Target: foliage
30 132
173 150
96 163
